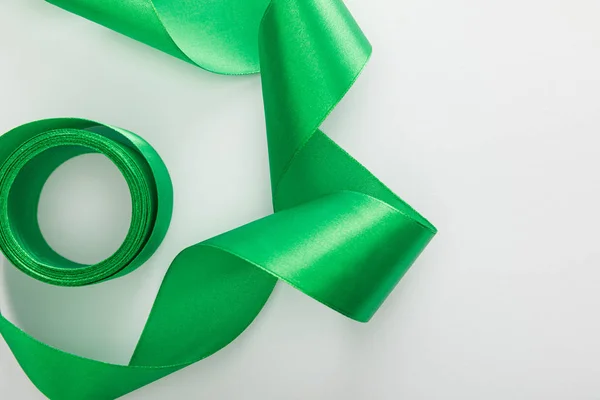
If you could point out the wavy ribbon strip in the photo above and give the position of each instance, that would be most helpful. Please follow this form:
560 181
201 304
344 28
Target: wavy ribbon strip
338 234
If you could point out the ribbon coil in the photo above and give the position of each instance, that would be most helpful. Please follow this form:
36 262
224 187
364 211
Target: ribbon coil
338 234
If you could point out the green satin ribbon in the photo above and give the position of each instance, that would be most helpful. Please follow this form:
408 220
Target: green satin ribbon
338 234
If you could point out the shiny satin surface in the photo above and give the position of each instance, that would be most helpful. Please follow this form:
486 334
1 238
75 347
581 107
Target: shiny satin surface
338 234
218 35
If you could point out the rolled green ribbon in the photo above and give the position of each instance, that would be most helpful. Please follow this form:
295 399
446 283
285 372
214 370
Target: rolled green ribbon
30 153
338 234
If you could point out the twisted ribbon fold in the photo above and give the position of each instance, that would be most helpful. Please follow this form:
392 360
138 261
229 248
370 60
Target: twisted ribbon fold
338 234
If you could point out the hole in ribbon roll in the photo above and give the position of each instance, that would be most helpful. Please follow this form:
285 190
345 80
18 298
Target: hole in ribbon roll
84 210
33 152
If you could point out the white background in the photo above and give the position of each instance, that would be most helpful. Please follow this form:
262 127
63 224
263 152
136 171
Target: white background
484 115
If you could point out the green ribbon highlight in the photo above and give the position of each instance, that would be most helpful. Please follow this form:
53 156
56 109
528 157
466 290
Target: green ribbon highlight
338 234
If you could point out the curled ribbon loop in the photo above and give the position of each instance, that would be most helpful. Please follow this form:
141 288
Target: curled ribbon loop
338 234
